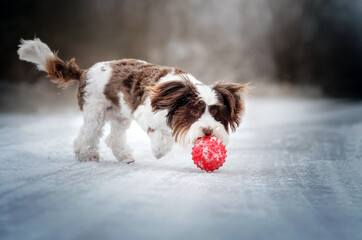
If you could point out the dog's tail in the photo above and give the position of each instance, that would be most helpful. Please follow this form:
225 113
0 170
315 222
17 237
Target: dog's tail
62 73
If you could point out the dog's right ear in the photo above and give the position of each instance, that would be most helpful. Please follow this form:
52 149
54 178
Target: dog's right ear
170 94
231 95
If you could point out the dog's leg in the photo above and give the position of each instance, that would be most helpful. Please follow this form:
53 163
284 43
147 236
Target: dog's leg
86 144
155 126
161 142
116 140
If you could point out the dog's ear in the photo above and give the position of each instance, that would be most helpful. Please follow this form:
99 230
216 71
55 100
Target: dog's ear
231 95
170 94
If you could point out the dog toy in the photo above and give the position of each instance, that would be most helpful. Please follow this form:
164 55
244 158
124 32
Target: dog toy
209 153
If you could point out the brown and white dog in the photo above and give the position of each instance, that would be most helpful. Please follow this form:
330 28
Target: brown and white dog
169 104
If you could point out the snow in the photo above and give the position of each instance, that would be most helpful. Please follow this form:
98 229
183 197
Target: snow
293 171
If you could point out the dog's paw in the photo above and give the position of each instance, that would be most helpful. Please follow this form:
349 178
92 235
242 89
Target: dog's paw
159 150
125 157
87 155
158 153
129 161
90 159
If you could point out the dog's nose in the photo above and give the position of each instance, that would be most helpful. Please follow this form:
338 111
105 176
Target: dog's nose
207 131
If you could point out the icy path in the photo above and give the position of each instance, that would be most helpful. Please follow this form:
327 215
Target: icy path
294 171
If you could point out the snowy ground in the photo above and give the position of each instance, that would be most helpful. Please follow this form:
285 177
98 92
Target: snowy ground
294 171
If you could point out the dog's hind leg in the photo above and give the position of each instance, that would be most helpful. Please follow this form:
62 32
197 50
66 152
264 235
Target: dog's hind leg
116 140
86 144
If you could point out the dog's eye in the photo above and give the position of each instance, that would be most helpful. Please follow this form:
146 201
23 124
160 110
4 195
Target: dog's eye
213 112
195 112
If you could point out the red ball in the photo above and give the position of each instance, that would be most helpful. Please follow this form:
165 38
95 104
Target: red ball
209 153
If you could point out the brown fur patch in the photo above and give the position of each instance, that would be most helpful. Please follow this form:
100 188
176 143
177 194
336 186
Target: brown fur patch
181 100
132 77
178 71
63 73
232 106
81 87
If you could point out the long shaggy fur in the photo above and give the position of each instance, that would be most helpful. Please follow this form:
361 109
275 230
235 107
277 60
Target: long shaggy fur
230 94
37 52
63 73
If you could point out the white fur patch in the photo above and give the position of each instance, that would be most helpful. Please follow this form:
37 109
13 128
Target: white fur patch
142 61
206 94
35 51
124 108
97 78
193 79
148 119
171 76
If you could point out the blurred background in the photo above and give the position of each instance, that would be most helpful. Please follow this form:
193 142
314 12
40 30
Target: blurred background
310 48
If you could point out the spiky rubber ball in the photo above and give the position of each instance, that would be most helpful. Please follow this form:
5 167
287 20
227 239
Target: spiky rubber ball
208 153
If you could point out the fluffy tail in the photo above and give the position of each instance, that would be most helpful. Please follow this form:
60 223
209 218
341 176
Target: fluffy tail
62 73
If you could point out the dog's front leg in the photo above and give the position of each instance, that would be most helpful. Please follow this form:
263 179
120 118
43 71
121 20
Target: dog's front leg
161 142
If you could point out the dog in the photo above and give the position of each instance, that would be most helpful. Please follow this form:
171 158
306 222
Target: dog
169 104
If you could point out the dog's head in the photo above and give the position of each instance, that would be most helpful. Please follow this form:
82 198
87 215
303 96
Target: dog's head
197 110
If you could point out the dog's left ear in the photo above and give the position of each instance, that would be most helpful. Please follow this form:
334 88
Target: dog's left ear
232 96
169 95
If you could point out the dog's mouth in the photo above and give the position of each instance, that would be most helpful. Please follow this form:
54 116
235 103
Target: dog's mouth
196 139
194 135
